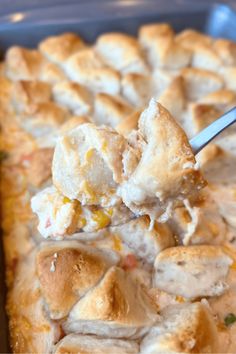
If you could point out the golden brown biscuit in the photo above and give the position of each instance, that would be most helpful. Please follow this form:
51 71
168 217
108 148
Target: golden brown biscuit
226 50
129 123
51 73
43 122
174 97
224 196
191 39
39 166
187 328
199 82
122 52
162 78
59 48
30 328
5 94
110 110
73 122
205 267
145 243
117 307
67 270
229 76
86 68
166 53
30 63
136 88
82 344
149 33
203 115
73 96
46 113
27 94
205 57
223 100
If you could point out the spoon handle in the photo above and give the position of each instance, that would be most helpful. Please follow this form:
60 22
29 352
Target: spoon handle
199 141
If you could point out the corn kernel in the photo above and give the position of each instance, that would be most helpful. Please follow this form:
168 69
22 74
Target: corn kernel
117 246
81 223
66 200
89 155
89 192
109 211
101 219
179 299
104 146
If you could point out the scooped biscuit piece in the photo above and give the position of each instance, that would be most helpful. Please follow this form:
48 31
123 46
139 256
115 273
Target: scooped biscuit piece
30 63
67 270
136 88
27 94
186 328
59 48
174 97
226 50
76 343
39 166
204 267
73 96
122 52
86 68
223 100
60 217
87 164
192 39
117 307
165 172
110 110
200 82
149 33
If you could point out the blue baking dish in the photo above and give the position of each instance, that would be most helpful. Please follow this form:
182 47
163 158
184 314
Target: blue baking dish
26 23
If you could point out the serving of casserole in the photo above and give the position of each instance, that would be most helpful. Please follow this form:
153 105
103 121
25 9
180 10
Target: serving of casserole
92 135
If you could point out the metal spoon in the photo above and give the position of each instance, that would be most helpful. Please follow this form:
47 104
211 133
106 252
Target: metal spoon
209 133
